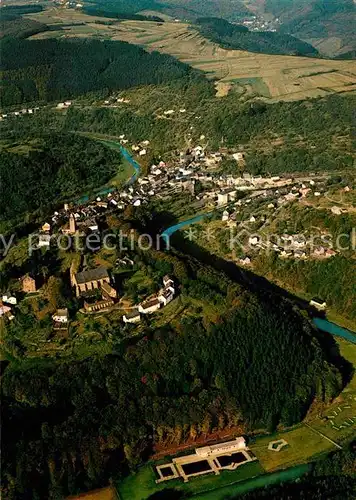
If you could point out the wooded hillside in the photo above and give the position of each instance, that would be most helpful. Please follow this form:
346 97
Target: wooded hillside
79 423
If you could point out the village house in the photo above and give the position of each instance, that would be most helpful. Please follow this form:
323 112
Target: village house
60 316
4 309
9 299
168 282
89 280
225 216
319 304
108 291
166 296
28 284
44 240
98 305
223 198
132 317
149 306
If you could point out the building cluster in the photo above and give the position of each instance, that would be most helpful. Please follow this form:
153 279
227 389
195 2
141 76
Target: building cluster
6 303
18 113
256 23
94 285
153 303
205 460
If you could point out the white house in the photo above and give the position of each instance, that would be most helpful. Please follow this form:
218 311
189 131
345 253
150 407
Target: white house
166 296
225 216
223 198
253 240
238 156
44 240
60 316
167 281
132 317
318 304
7 299
149 306
227 447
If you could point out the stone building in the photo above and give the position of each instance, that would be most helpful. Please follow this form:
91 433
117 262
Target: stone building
89 280
28 284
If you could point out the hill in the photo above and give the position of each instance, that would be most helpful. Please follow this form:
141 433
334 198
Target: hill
328 25
232 36
270 76
58 167
161 384
47 70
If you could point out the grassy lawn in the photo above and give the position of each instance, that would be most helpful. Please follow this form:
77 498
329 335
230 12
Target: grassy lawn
141 485
303 444
256 482
344 407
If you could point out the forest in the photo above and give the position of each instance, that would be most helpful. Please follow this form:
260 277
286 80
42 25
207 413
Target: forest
47 70
102 12
62 166
308 131
258 364
231 36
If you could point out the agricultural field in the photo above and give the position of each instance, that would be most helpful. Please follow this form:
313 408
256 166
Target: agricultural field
101 494
272 77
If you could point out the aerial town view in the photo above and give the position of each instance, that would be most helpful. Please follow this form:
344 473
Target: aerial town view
177 249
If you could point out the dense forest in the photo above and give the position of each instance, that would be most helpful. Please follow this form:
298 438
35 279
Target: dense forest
63 166
182 9
102 12
50 69
12 24
233 36
257 364
314 135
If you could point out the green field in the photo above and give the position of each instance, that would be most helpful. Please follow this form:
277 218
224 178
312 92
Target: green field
303 444
242 487
344 406
257 84
141 485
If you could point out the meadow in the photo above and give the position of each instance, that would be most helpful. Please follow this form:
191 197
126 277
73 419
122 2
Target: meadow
272 77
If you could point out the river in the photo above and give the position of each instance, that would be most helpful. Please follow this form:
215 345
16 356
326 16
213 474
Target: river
126 154
322 324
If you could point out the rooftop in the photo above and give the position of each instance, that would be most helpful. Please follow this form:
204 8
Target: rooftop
92 275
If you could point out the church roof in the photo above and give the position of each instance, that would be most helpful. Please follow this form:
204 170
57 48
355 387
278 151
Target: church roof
92 275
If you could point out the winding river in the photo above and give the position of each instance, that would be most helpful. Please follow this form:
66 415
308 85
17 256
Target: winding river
322 324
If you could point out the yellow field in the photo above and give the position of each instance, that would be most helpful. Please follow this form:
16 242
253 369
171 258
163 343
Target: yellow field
303 444
270 76
102 494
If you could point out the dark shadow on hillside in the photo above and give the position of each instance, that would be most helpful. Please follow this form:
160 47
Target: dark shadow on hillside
257 284
268 292
168 494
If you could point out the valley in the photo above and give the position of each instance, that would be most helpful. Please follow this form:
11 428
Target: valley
177 251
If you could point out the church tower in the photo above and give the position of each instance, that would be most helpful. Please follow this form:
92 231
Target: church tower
72 228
